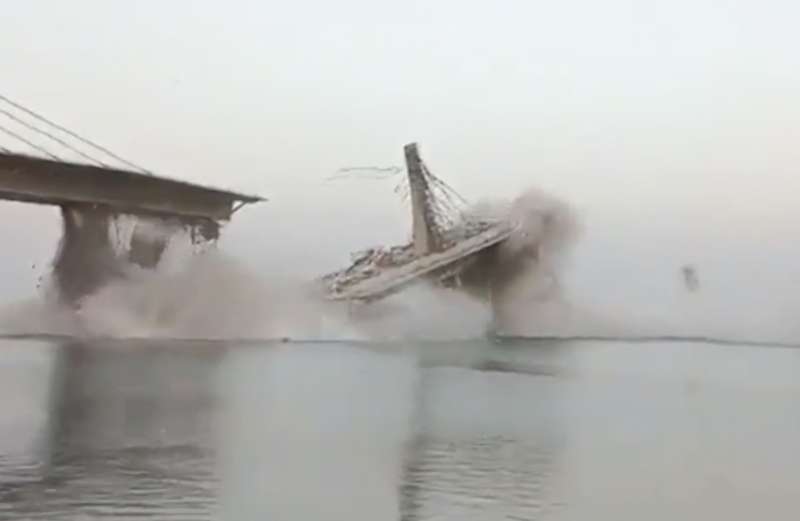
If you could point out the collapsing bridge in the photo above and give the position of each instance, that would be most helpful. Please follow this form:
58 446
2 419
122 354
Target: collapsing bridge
450 246
94 190
506 253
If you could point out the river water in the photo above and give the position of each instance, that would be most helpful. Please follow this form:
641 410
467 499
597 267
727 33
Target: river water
525 430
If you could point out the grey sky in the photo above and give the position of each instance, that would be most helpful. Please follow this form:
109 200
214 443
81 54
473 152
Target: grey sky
672 126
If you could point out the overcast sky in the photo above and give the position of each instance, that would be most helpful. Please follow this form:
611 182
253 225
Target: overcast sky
672 126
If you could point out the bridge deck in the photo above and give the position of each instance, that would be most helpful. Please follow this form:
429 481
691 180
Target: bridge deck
393 279
37 180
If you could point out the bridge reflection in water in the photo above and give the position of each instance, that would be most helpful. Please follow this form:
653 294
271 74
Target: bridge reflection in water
333 431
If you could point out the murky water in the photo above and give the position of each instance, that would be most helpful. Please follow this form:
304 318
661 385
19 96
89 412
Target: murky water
467 431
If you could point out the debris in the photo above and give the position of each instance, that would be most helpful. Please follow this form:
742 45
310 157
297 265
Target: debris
690 279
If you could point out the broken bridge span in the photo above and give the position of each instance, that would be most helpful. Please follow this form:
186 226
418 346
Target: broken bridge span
50 164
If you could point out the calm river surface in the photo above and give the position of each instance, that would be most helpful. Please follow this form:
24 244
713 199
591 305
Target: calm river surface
465 431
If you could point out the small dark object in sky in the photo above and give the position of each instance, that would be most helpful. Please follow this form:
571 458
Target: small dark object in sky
690 279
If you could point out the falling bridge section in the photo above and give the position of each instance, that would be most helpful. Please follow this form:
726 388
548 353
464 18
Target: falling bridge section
47 163
448 247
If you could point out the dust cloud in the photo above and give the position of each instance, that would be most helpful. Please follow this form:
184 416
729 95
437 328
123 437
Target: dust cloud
215 296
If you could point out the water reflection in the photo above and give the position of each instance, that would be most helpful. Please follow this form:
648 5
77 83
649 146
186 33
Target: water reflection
294 431
133 394
316 432
129 432
438 431
478 454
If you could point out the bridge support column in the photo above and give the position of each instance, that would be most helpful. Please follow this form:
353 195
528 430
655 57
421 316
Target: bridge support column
147 246
86 258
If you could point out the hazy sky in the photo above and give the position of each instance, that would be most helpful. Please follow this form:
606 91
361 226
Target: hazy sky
672 126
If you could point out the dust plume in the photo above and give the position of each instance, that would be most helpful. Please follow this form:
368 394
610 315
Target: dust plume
215 296
524 272
210 296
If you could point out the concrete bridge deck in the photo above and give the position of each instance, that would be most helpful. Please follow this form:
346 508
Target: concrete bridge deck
44 181
90 197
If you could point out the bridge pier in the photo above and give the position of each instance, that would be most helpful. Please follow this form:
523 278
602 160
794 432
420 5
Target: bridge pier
91 197
146 251
85 259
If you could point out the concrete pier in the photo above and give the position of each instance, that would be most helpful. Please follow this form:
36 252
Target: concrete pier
86 258
91 197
